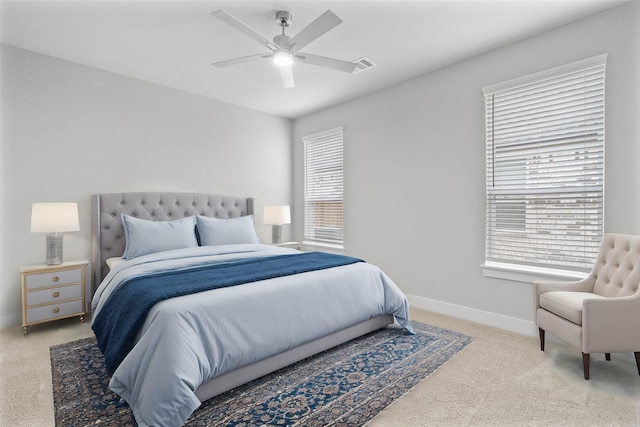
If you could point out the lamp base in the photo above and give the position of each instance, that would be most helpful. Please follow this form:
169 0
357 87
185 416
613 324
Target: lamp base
276 234
54 249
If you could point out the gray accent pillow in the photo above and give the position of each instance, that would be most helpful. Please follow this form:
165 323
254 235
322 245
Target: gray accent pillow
228 231
145 237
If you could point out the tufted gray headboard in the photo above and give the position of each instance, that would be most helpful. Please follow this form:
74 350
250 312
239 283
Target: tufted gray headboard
108 233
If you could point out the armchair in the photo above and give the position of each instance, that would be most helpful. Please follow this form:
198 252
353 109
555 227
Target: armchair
601 313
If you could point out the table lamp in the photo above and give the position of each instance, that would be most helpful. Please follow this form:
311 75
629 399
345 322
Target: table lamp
277 216
54 218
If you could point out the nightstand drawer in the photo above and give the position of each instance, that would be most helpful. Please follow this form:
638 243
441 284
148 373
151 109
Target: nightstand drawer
54 311
47 296
41 280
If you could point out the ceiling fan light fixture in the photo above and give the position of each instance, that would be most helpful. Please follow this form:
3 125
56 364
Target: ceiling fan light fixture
283 58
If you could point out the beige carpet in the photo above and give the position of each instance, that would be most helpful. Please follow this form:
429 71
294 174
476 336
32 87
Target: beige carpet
501 379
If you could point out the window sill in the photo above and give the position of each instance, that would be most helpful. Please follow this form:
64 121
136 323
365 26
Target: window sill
322 246
528 274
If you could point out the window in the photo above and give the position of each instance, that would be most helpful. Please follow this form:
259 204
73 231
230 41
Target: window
545 168
323 187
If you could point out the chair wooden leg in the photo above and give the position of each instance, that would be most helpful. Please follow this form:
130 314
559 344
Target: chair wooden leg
585 365
541 331
607 356
637 354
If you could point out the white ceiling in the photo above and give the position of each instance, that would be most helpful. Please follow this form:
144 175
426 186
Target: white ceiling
173 43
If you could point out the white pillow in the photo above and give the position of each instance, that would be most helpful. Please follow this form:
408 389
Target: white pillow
228 231
146 237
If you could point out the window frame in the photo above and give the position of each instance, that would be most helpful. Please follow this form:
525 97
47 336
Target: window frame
519 270
324 227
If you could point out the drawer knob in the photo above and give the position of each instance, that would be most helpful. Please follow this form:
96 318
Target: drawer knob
55 279
56 294
56 310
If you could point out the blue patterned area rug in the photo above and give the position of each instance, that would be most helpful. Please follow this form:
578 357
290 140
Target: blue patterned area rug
344 386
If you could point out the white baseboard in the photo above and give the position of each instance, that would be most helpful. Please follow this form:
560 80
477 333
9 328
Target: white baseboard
500 321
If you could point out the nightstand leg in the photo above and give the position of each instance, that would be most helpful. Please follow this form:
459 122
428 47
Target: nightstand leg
25 329
81 319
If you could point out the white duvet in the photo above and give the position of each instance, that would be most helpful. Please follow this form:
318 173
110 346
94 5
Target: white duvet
189 340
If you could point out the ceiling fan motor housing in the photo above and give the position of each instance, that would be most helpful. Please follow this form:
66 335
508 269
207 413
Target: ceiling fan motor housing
282 40
284 18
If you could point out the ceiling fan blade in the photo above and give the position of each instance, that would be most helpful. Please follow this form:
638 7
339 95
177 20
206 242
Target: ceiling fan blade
240 60
321 25
286 76
224 16
323 61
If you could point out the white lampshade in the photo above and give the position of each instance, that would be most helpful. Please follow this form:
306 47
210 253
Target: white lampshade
277 215
54 217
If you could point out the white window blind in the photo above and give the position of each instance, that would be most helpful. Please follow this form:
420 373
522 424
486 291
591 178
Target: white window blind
323 186
545 167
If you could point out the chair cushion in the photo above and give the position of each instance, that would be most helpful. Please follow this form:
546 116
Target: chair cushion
566 304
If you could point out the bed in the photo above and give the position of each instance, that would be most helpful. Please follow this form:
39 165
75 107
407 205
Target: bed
189 348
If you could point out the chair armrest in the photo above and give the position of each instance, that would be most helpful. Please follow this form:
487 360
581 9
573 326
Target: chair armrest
611 325
540 287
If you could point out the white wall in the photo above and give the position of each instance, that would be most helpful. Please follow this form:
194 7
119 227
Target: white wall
69 131
414 166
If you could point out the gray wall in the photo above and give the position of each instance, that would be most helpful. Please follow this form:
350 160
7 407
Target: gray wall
414 157
415 166
69 131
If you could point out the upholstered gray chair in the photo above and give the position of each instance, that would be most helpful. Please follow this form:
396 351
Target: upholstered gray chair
601 313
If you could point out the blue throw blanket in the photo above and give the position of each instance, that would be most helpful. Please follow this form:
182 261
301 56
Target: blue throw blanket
124 313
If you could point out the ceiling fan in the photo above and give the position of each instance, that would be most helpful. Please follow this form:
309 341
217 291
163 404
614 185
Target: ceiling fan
284 49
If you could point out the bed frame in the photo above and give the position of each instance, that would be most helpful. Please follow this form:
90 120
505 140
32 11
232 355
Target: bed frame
109 241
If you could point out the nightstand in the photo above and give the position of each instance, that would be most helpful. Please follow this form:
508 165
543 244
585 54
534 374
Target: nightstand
294 245
52 292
